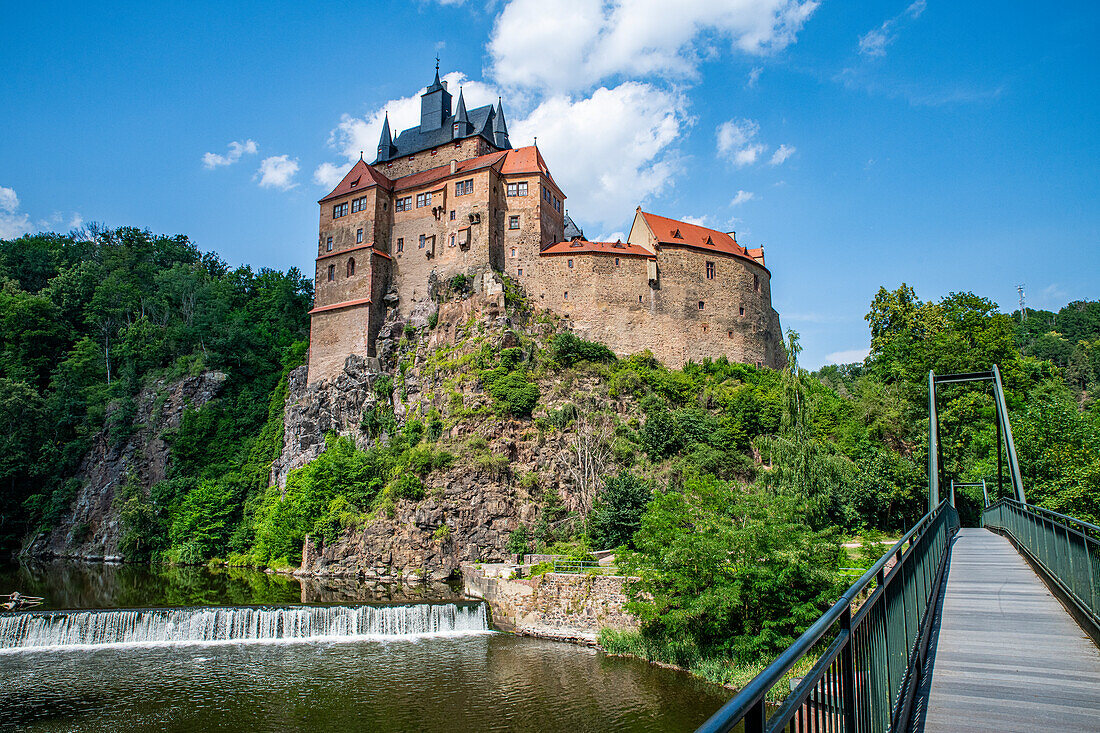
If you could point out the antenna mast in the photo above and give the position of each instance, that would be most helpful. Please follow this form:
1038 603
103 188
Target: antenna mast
1023 303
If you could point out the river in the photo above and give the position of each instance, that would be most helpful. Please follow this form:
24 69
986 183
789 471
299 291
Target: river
221 649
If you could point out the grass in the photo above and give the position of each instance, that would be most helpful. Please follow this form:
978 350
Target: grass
719 670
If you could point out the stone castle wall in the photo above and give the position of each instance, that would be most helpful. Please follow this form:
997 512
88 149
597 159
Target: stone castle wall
561 606
470 147
608 297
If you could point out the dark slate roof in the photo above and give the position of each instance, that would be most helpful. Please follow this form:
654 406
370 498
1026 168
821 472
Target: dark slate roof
572 231
414 140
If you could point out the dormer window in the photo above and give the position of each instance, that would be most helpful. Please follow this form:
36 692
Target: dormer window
676 234
710 241
355 182
455 133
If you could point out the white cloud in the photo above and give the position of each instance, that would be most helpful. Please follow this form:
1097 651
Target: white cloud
609 151
848 356
355 135
236 150
736 141
781 154
277 172
875 41
754 76
612 237
570 45
328 175
700 221
13 223
742 197
76 222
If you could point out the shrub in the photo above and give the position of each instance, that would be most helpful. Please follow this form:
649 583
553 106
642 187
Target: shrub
518 542
567 349
407 486
661 435
514 394
619 510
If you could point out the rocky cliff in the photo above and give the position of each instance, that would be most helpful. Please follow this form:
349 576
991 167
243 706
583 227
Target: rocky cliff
89 529
504 469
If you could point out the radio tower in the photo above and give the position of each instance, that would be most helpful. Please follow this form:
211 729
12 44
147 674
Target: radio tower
1023 306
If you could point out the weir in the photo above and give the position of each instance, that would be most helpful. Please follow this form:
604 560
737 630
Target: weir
23 631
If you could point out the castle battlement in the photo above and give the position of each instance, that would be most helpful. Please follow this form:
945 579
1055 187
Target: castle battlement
452 196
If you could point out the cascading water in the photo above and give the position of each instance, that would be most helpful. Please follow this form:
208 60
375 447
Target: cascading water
226 625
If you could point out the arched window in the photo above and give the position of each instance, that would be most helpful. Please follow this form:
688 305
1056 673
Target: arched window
331 273
351 266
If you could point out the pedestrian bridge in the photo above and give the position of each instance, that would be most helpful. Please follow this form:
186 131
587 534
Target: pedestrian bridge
981 629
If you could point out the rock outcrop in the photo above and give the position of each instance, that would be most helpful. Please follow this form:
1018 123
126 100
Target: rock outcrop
90 528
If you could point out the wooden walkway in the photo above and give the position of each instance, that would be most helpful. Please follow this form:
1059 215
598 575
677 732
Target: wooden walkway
1006 655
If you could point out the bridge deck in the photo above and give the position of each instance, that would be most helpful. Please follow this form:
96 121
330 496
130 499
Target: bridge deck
1008 657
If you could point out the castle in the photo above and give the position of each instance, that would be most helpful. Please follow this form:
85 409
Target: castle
452 196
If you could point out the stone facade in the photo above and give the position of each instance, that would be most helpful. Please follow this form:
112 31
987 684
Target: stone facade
470 204
561 606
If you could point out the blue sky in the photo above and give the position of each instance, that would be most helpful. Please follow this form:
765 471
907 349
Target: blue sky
952 146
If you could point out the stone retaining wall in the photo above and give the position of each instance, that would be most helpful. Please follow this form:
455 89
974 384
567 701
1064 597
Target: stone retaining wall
562 606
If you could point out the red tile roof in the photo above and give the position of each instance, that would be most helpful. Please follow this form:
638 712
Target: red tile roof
582 246
527 160
430 176
361 176
681 233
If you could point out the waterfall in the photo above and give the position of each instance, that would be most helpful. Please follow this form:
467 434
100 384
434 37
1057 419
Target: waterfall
227 625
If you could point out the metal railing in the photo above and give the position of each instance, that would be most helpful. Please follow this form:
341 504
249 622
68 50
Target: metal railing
865 679
584 566
1067 548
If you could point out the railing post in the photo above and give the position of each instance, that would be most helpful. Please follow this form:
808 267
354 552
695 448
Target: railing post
757 718
848 669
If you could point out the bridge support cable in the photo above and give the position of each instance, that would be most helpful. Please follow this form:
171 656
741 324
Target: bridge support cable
870 647
1065 550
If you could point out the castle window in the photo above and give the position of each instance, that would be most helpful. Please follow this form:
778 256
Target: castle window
385 206
520 272
729 333
741 311
351 266
700 305
452 214
513 251
340 210
359 236
756 283
423 239
570 264
566 296
452 239
517 189
639 299
454 130
328 244
359 204
403 204
400 244
464 187
710 271
705 327
331 273
616 262
513 222
423 199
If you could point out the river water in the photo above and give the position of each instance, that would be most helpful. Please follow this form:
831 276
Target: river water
219 650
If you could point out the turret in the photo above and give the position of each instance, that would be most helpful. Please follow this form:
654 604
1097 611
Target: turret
435 105
386 148
500 127
462 126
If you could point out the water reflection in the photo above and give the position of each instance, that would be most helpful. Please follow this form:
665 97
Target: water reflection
497 682
68 584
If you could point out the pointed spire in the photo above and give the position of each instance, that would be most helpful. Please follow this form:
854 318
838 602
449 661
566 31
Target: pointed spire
386 148
500 128
462 127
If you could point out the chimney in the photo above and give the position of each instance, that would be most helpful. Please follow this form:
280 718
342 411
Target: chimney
454 167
